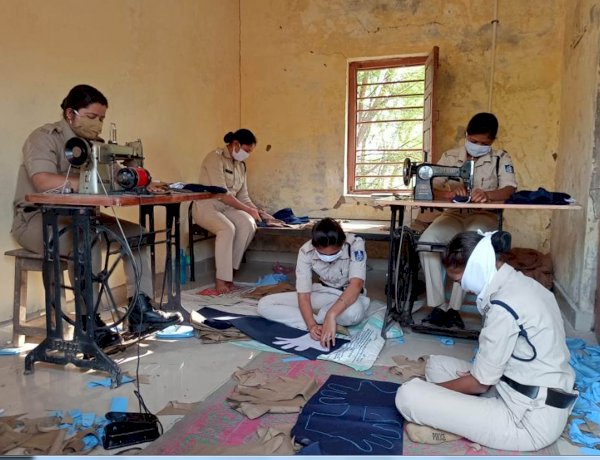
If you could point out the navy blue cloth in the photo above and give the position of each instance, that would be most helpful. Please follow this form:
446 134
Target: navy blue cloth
540 196
287 215
199 188
351 416
264 330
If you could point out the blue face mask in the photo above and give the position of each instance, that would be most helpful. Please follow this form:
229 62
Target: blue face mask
331 257
476 150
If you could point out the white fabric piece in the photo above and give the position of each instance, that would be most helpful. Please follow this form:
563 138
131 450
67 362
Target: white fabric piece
480 268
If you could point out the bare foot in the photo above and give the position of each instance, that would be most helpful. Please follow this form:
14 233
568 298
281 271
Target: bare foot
232 287
222 287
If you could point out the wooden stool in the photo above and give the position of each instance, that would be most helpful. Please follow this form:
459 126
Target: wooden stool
26 261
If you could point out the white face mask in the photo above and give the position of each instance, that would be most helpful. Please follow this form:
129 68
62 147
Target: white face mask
331 257
480 268
476 150
240 155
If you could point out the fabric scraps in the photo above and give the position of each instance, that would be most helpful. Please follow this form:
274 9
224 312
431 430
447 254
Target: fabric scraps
261 291
585 418
256 395
407 369
176 331
271 279
107 382
177 408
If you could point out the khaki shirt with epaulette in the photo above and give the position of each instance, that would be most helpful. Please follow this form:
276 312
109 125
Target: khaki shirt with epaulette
221 170
337 274
43 152
492 171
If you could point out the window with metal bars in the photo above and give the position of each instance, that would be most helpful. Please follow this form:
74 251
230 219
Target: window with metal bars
389 120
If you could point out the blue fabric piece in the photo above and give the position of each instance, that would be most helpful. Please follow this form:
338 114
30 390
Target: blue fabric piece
312 449
287 215
294 358
176 331
446 341
88 419
352 416
118 404
10 351
107 382
585 361
264 331
199 188
271 279
588 451
539 196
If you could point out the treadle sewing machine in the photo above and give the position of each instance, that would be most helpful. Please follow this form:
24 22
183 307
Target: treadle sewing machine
426 172
100 172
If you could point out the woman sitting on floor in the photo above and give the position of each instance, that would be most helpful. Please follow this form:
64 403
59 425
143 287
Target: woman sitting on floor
340 261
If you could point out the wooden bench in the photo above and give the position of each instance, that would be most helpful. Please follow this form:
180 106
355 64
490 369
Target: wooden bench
25 262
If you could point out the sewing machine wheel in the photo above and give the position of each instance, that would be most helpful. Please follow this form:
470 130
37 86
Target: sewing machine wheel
406 268
105 277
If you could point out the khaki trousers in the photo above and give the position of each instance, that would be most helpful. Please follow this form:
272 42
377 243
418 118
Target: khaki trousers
234 231
284 308
28 231
442 230
514 422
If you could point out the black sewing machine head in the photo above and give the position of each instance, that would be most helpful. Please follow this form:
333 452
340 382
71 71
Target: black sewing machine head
425 172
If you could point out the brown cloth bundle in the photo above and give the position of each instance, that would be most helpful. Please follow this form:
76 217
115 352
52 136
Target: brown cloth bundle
531 263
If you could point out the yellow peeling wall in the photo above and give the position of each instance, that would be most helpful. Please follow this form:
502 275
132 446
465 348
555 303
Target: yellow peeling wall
168 68
294 59
575 236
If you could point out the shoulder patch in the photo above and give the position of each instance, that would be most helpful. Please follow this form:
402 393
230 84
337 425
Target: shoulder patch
359 256
509 169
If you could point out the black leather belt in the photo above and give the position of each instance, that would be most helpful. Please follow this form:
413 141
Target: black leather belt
362 291
554 397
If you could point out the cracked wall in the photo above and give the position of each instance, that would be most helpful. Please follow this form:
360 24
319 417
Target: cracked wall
294 57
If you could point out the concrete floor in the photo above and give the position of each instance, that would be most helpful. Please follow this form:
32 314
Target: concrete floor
184 370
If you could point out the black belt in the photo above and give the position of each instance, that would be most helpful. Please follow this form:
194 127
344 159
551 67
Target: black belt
362 291
554 397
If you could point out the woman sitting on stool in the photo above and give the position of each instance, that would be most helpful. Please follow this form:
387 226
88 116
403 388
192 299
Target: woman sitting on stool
340 261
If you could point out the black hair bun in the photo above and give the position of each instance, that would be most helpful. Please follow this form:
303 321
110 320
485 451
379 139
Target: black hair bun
229 137
501 241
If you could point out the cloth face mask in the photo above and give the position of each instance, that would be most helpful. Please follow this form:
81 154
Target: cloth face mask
476 150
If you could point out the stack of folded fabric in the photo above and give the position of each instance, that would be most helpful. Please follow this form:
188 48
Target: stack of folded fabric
287 215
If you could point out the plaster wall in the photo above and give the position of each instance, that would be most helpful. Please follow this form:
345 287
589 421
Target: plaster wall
168 69
294 59
575 235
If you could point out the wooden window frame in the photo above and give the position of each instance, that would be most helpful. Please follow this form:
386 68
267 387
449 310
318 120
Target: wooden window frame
429 115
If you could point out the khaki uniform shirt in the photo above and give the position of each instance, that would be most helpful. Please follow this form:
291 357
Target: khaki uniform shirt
221 170
43 152
492 171
499 339
351 264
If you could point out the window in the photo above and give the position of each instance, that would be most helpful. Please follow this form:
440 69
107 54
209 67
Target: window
390 118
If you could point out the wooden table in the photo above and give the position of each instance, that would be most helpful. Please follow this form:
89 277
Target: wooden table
81 209
403 260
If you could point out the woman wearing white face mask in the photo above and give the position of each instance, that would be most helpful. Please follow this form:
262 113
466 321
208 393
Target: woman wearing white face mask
494 180
231 217
522 363
339 297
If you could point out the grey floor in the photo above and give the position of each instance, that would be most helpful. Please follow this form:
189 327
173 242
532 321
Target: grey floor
183 370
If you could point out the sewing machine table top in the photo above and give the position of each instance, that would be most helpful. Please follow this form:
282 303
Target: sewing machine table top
80 199
410 202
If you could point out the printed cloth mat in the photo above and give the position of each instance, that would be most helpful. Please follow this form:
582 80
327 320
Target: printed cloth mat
214 422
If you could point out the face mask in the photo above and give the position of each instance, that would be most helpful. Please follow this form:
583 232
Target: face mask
480 268
240 155
476 150
87 128
331 257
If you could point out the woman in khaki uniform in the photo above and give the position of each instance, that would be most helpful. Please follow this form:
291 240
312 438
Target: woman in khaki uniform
339 297
518 391
494 180
46 169
232 217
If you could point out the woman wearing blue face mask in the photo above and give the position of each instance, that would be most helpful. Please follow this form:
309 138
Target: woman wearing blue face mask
231 217
339 297
494 180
